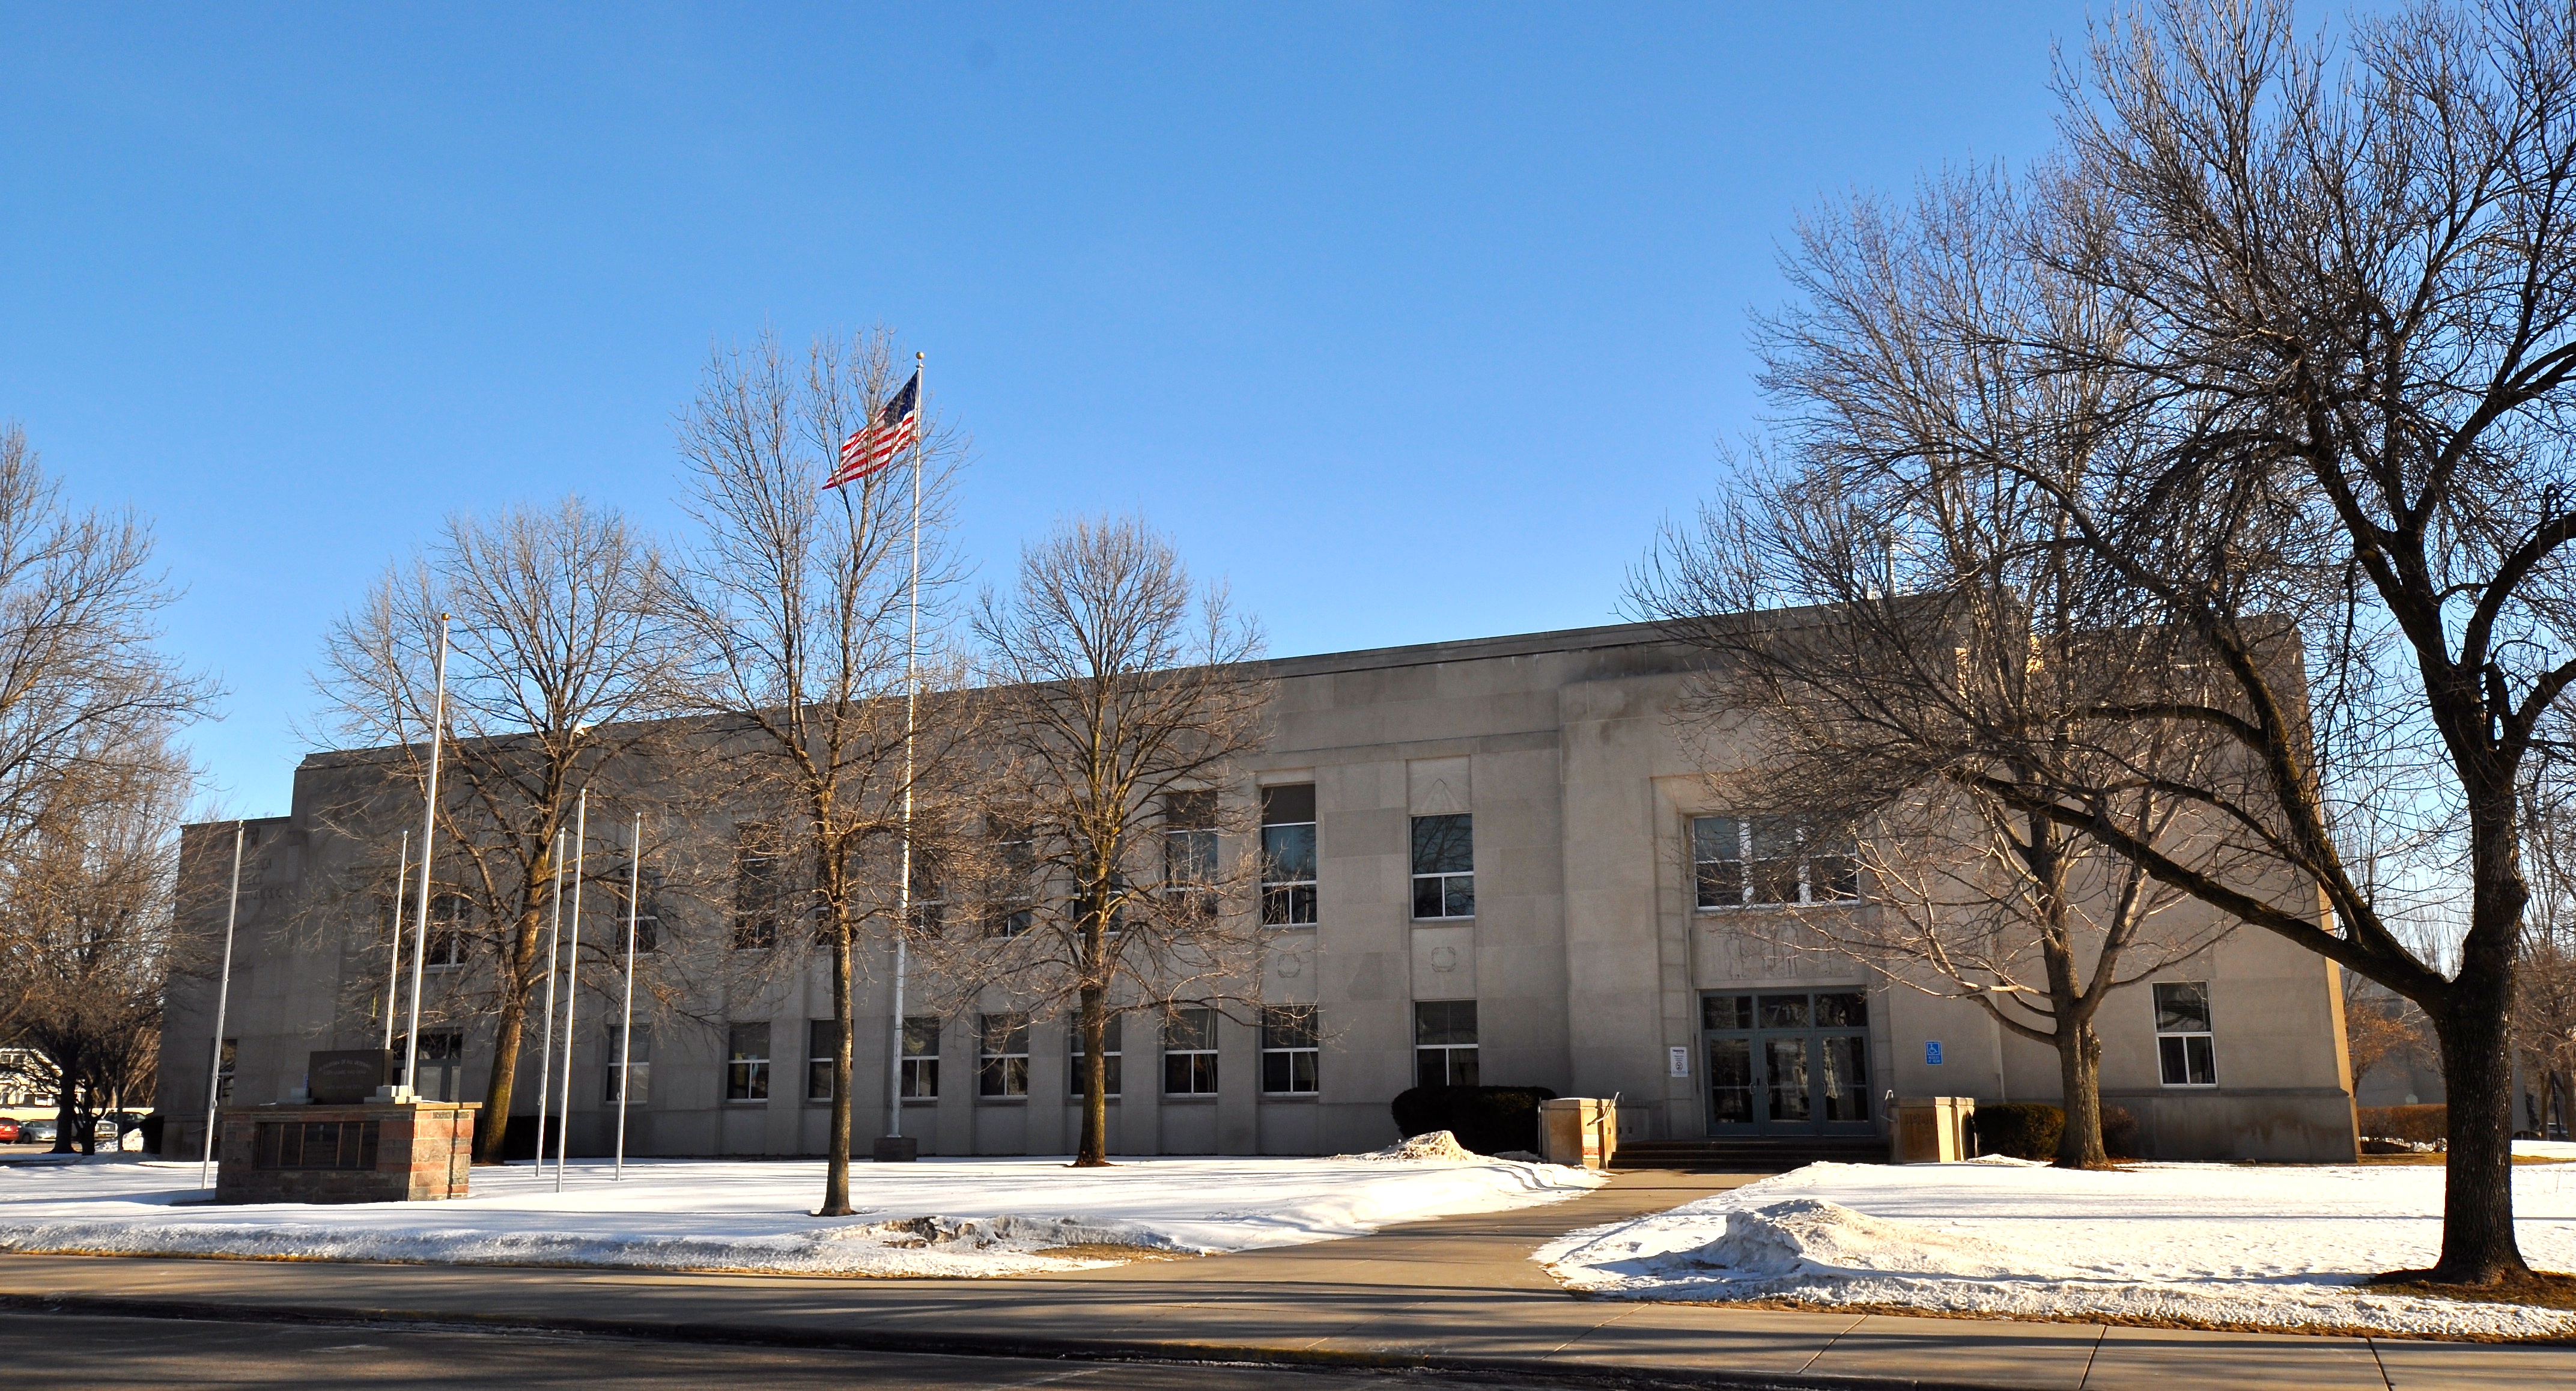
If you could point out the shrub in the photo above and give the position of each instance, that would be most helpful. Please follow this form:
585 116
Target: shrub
2119 1133
2022 1129
2421 1124
1488 1120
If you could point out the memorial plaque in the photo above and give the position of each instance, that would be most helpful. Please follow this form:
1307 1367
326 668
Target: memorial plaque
348 1076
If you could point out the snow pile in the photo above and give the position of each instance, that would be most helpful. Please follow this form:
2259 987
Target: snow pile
2272 1247
1429 1145
935 1218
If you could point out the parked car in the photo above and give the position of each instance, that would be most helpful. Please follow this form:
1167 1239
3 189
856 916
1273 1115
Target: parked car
36 1133
8 1130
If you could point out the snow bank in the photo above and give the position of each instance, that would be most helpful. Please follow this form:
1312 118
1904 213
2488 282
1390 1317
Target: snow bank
935 1218
2194 1243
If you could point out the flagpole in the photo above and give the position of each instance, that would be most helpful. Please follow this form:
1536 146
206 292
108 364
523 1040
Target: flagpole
428 842
911 700
626 1029
223 1001
546 1046
393 967
572 983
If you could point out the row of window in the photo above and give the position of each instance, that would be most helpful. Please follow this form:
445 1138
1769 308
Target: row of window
1444 1033
2186 1045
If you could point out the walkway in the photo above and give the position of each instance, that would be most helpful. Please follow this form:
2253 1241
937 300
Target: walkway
1458 1293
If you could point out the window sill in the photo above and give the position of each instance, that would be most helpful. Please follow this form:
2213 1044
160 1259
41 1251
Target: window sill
2189 1086
1001 1101
1444 922
1308 1097
1188 1098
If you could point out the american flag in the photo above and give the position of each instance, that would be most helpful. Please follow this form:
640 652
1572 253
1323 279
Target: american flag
873 446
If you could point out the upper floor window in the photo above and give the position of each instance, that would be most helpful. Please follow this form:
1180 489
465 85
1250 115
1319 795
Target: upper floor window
927 897
1190 850
1739 861
747 1062
1288 855
448 915
2186 1048
757 886
1444 866
648 909
1016 848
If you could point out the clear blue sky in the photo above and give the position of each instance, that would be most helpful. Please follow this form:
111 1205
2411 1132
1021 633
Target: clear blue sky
1411 321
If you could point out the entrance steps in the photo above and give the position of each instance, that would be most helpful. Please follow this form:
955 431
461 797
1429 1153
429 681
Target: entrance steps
1750 1154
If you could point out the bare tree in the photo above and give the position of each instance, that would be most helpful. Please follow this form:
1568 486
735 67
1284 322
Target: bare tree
561 655
87 897
1121 707
79 603
798 604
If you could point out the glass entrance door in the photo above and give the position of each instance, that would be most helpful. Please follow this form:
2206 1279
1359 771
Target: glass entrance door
1787 1062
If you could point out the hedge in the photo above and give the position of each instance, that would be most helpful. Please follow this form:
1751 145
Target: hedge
2022 1129
2422 1124
1488 1120
2119 1133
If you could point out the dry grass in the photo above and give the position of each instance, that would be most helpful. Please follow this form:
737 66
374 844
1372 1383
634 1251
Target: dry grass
2542 1289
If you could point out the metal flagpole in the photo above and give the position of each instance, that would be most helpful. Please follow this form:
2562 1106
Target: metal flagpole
393 965
626 1030
572 983
420 906
546 1047
223 1001
911 699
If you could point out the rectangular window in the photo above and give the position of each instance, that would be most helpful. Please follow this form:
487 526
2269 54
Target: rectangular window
1738 861
929 900
1002 1061
448 916
226 1059
819 1036
2186 1049
1190 851
756 887
648 911
1016 848
1444 1043
639 1066
747 1062
1444 867
1288 855
1189 1053
920 1057
1289 1050
1111 1055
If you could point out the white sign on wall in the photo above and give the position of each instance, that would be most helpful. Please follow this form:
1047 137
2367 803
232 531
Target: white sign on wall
1681 1062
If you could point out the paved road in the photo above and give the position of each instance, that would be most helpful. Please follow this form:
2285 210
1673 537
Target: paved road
1459 1295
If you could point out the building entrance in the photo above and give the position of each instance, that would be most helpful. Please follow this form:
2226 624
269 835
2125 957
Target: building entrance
1787 1062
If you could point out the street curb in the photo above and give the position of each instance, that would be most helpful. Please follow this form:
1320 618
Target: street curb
1527 1369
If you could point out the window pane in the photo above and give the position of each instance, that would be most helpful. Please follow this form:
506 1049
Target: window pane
2202 1058
1846 1079
1287 854
1287 1026
2169 1061
819 1034
1787 1058
1726 1012
1444 1021
2182 1007
1730 1080
1288 803
921 1036
1716 838
1188 1029
1843 1010
1426 898
1784 1011
1462 1068
1443 844
1458 896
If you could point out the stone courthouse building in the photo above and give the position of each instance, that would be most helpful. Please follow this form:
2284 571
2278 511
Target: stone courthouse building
1499 864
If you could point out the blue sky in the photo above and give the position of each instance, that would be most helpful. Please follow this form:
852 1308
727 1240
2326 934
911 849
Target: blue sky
1410 321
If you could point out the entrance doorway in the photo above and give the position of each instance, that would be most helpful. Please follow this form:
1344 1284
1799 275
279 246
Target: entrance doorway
1787 1062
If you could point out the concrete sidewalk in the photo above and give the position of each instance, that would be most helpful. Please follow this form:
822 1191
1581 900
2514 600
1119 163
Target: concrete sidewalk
1460 1293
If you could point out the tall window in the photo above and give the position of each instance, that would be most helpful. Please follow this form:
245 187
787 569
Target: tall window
1189 850
819 1036
226 1059
1111 1055
639 1066
448 915
757 889
1017 849
1288 1050
920 1056
2186 1049
1444 867
1743 860
1444 1043
1002 1061
929 897
747 1062
1189 1053
648 911
1288 855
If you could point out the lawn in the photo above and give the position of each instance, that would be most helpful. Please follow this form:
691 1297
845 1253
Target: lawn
940 1217
2210 1245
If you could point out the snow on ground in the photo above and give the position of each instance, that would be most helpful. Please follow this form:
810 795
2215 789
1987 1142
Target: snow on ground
944 1217
2277 1247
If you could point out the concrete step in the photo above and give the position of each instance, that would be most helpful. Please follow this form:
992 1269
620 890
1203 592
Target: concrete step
1750 1154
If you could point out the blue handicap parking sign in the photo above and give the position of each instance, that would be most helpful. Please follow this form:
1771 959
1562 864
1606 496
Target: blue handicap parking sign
1932 1052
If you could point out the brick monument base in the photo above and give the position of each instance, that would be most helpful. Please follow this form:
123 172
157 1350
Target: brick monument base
374 1152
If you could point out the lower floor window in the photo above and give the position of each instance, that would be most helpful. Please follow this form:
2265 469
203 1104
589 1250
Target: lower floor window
747 1062
819 1050
921 1056
1189 1053
1289 1049
1444 1043
2186 1049
1111 1055
638 1069
1002 1064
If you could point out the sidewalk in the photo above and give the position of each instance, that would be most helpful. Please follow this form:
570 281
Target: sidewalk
1459 1293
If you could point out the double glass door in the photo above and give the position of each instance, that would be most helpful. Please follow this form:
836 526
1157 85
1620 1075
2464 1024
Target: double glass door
1787 1062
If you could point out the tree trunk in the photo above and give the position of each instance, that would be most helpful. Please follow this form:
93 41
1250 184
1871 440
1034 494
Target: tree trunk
836 1166
67 1117
1094 1151
509 1039
2079 1077
2478 1244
